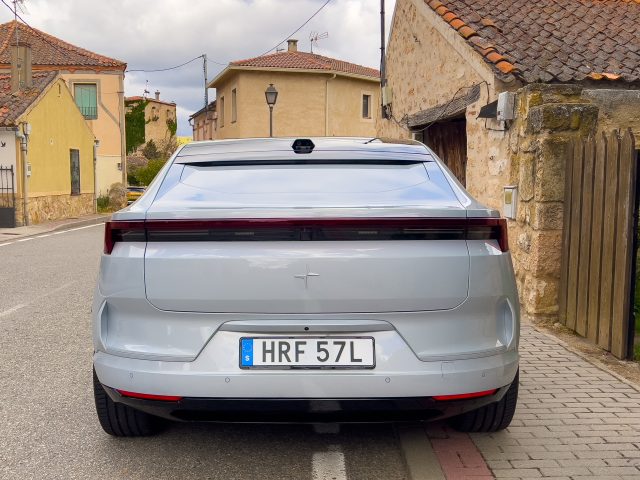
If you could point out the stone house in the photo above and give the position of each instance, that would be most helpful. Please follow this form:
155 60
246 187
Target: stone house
96 83
160 120
42 128
562 70
317 96
204 122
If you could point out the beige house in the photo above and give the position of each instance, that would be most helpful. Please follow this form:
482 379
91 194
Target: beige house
562 71
204 123
160 117
96 83
317 96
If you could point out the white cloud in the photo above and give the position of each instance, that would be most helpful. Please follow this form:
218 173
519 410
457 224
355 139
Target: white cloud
151 34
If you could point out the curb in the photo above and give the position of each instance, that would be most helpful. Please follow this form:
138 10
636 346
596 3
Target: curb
81 222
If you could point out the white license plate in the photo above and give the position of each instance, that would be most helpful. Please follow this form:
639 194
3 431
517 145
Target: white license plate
307 352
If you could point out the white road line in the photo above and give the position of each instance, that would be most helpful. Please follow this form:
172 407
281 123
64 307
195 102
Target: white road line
11 310
329 465
49 234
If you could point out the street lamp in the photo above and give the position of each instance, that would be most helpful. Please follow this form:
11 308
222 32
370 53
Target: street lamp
271 94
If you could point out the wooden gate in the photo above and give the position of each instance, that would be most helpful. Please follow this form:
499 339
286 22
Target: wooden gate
598 246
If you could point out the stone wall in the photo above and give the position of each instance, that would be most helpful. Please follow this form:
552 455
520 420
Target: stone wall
549 117
55 207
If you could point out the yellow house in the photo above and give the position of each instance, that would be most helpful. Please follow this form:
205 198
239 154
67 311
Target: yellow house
96 83
42 128
317 96
160 120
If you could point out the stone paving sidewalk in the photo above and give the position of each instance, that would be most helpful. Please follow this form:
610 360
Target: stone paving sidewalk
574 420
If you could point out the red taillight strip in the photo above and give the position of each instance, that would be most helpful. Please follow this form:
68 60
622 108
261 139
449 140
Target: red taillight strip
111 228
148 396
463 396
116 229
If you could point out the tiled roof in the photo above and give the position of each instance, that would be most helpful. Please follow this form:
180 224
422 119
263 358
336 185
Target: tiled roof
306 61
12 105
47 50
550 40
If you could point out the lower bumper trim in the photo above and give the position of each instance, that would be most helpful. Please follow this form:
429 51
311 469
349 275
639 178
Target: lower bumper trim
272 410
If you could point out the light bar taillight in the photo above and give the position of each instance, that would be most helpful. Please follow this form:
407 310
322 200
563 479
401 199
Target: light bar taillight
148 396
464 396
320 229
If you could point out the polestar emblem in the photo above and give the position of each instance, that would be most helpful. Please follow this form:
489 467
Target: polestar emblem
305 277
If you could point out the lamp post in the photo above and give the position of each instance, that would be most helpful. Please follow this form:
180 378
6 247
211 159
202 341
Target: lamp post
271 94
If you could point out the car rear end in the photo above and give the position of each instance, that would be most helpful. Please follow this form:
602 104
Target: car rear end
327 278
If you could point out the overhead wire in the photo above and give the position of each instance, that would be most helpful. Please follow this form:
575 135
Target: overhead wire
297 29
164 69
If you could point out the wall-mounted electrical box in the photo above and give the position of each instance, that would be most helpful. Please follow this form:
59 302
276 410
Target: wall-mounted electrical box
387 95
510 209
28 169
506 108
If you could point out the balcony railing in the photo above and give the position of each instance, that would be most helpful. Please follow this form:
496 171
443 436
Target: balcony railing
89 113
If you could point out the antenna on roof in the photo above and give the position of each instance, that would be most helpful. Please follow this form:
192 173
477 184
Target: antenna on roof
278 50
19 4
315 37
146 89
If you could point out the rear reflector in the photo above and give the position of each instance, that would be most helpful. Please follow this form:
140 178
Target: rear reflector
463 396
321 229
147 396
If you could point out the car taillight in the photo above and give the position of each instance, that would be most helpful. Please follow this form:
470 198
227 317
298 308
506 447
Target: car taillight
464 396
149 396
116 231
318 229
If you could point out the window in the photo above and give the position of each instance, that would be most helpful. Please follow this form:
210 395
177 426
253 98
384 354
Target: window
221 114
366 106
74 156
234 107
86 96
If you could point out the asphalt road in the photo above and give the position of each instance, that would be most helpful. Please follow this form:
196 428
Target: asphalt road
48 428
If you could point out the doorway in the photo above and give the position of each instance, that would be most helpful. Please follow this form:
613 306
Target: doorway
448 140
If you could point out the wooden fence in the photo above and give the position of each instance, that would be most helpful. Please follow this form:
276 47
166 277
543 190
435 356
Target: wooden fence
598 240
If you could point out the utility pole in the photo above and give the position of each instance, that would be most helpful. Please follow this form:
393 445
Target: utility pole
383 80
206 87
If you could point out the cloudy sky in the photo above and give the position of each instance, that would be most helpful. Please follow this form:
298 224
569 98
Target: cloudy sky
154 34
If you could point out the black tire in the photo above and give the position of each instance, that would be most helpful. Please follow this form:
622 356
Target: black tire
492 417
121 420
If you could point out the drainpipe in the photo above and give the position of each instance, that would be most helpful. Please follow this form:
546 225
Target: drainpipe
123 138
24 148
96 144
326 106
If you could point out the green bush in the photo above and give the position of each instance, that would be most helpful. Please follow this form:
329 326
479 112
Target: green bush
144 176
103 203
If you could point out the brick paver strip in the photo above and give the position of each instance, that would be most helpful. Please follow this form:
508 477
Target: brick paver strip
573 421
458 456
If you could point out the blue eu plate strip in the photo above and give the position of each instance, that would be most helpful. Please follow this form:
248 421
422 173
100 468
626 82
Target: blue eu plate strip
247 352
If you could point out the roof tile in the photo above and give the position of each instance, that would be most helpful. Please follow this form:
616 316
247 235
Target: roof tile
50 51
590 39
12 105
307 61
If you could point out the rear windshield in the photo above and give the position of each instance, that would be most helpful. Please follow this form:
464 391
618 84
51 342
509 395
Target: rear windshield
313 185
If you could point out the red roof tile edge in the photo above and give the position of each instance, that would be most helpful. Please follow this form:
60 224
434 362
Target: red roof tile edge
502 67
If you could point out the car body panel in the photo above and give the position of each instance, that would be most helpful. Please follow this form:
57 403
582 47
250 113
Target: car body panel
168 316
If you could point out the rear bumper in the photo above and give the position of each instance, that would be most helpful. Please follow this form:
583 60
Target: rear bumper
271 410
216 374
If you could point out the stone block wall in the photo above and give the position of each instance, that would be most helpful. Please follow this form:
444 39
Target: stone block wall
55 207
549 118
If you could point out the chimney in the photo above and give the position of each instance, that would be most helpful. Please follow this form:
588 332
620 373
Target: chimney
21 76
157 94
292 45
